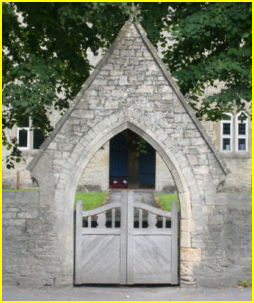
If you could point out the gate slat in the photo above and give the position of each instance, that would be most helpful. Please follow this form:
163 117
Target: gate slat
123 252
163 222
113 217
89 223
140 218
130 244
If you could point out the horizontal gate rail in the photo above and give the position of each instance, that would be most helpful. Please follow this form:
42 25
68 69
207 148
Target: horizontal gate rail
151 209
97 231
147 232
101 209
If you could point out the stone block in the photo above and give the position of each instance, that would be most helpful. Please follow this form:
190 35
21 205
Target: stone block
111 104
190 254
9 215
186 268
185 205
145 89
28 215
187 225
123 80
185 240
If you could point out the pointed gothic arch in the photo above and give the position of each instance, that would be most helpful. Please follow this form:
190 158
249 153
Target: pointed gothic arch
157 112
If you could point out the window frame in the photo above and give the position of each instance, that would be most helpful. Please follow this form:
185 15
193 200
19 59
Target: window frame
28 137
241 136
225 136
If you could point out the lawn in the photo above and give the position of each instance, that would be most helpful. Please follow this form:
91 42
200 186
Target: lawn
167 199
90 200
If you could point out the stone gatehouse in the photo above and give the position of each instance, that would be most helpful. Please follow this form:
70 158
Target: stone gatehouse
129 89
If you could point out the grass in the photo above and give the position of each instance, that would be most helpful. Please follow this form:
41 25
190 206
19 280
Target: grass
167 199
90 200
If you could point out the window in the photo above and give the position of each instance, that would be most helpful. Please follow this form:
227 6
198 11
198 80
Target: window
27 138
23 135
38 138
241 132
226 132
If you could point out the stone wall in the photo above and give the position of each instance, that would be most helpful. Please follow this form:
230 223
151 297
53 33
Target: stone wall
227 245
96 175
27 235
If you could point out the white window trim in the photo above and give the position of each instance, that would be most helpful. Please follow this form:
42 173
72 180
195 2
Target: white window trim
28 138
222 136
241 136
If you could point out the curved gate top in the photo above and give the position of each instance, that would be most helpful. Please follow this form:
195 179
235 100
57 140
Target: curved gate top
126 242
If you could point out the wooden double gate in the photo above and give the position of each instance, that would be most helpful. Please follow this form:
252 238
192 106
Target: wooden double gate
126 242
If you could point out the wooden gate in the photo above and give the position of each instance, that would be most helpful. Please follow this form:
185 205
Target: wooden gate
126 242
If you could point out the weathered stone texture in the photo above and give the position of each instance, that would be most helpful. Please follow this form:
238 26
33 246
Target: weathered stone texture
129 89
226 248
163 181
28 241
96 175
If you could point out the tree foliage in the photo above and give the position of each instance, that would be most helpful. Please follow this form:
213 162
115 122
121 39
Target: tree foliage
213 42
45 53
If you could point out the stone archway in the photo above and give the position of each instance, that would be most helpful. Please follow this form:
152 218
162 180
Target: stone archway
140 96
63 194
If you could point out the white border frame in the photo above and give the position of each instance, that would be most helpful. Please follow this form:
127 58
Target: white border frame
222 136
28 138
241 136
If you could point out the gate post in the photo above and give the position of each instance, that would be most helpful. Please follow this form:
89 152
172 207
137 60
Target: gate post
174 228
124 222
130 248
78 239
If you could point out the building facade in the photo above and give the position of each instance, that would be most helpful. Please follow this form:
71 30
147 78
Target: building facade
231 137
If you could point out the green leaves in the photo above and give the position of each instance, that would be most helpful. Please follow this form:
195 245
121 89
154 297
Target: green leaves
45 52
212 42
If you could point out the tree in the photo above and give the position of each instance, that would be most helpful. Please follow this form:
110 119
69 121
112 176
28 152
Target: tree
212 42
45 53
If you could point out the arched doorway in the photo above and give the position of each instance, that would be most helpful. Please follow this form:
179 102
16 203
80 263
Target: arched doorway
130 216
132 162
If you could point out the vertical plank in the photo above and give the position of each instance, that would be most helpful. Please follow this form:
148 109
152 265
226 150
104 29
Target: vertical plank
89 224
123 248
101 220
174 228
113 218
130 247
78 242
140 218
163 222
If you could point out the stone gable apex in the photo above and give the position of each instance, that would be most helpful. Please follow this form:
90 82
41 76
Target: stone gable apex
130 29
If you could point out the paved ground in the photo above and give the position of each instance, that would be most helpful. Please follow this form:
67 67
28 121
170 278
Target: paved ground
126 294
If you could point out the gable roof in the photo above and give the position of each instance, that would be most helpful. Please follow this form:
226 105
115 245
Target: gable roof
167 76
